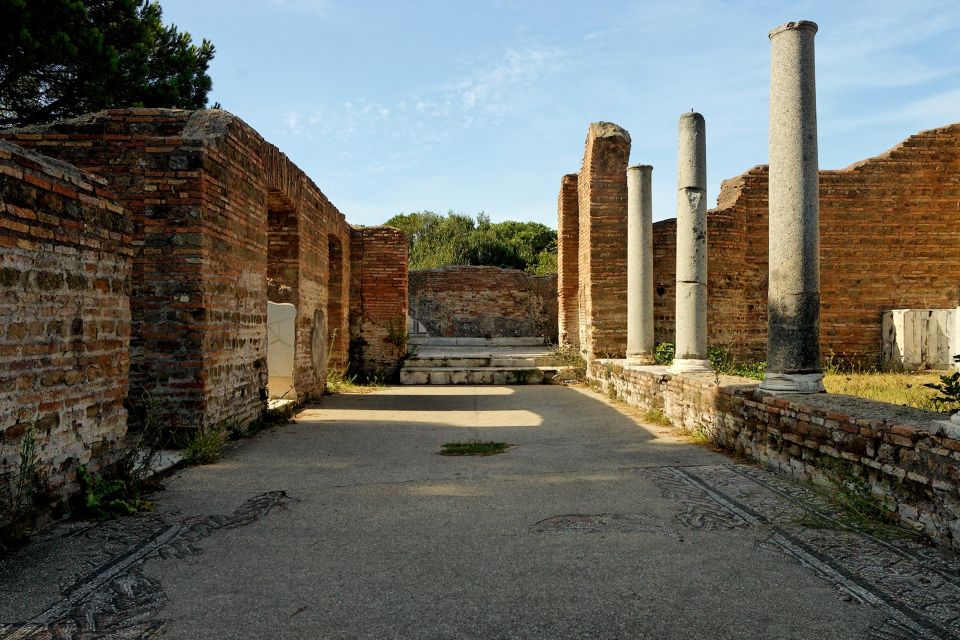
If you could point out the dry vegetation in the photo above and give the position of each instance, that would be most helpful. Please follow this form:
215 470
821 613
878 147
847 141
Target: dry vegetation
904 388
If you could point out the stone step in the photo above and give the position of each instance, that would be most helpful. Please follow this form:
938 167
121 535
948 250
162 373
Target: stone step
485 375
522 341
479 361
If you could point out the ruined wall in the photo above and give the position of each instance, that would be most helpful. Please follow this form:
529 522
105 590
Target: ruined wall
568 270
378 300
467 301
65 268
204 190
602 252
888 240
338 305
903 456
318 224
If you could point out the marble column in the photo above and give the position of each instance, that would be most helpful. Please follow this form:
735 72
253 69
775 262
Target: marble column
639 265
691 317
793 295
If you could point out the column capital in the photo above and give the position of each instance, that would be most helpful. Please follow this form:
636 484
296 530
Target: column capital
799 25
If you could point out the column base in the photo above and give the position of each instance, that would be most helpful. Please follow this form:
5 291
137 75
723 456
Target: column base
639 358
783 383
684 365
951 427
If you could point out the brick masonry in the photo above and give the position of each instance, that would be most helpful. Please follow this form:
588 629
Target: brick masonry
378 301
568 269
65 272
221 220
602 248
888 240
900 456
468 301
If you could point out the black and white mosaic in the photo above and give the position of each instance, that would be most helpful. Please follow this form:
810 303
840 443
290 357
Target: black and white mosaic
109 597
916 586
602 523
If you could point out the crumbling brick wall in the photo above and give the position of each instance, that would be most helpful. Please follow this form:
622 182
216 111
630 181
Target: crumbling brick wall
378 300
602 252
65 269
888 240
568 270
200 188
488 302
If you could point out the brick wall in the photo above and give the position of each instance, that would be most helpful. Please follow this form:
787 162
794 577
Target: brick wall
568 271
338 306
466 301
602 251
65 268
378 300
888 240
901 456
209 200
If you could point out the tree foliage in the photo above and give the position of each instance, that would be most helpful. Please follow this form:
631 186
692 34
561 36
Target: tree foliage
437 240
62 58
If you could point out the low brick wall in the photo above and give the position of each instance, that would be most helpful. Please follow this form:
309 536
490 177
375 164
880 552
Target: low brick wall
900 455
65 266
478 302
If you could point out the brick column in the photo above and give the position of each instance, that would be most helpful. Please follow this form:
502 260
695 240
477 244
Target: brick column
602 191
568 278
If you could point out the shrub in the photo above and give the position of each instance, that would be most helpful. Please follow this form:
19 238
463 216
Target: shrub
664 353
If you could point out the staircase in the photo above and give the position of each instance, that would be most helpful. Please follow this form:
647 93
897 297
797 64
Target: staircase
499 361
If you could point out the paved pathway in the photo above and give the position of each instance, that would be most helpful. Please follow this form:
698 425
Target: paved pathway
347 524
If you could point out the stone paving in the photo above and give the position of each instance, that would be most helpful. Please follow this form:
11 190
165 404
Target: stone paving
346 524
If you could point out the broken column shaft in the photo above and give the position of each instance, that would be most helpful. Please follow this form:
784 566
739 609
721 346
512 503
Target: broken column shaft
691 320
639 265
793 295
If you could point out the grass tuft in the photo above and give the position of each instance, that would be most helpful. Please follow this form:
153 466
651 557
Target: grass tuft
473 448
657 416
205 445
339 381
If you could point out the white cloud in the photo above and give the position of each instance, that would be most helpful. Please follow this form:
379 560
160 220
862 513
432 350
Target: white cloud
292 123
321 8
930 111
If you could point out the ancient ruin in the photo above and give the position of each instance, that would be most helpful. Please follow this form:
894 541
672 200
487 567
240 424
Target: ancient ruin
905 458
483 302
598 216
691 338
171 266
793 287
161 261
640 342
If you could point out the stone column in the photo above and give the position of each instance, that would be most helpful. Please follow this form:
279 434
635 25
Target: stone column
639 265
691 321
793 293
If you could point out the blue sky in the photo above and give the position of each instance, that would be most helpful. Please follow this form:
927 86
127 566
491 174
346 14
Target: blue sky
482 106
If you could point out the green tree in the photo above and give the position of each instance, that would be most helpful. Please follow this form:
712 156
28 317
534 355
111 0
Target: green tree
62 58
457 239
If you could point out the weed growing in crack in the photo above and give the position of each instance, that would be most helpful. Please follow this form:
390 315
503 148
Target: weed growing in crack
105 498
23 488
205 445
